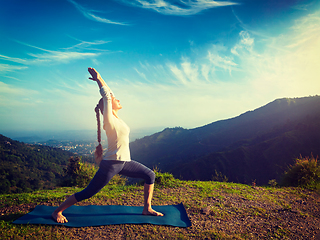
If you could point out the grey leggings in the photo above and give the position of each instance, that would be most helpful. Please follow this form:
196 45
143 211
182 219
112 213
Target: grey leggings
109 168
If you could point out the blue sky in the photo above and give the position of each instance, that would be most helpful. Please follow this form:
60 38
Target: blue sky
171 63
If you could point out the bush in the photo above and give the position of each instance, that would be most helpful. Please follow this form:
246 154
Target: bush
219 177
78 173
304 173
118 180
273 183
165 180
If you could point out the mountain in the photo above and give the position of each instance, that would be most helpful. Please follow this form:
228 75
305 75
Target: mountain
255 146
25 167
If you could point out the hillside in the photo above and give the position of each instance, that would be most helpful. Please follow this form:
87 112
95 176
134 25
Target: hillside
217 211
26 167
255 146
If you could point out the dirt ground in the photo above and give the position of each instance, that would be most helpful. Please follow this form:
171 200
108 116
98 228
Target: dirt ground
227 217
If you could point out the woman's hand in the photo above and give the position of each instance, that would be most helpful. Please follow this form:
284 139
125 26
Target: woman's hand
94 74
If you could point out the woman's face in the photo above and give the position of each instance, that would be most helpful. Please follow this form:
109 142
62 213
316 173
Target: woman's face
116 104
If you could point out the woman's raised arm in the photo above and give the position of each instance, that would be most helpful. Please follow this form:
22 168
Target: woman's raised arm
95 76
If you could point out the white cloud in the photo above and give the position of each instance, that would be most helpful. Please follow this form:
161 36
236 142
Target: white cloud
223 62
246 43
12 96
287 66
58 107
85 45
179 74
180 7
140 74
190 70
79 51
10 68
205 70
291 60
88 14
12 59
58 56
188 93
49 57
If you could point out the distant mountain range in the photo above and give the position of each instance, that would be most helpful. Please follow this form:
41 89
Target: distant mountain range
35 137
256 146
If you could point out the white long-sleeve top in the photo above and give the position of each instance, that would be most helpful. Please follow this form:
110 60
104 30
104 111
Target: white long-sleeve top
116 129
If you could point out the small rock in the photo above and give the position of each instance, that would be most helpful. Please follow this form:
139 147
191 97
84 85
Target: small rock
206 210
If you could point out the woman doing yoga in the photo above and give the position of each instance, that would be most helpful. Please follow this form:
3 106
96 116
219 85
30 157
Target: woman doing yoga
117 158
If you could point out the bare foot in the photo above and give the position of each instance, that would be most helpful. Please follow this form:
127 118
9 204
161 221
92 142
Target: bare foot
152 212
59 218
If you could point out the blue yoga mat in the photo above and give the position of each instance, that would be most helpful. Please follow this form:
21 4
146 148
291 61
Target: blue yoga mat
93 215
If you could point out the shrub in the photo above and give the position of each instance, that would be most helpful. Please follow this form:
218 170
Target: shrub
118 180
273 183
78 173
165 180
219 177
304 173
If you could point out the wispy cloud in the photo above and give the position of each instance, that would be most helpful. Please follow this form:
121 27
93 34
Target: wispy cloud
79 51
9 89
88 14
246 43
190 70
205 70
219 61
13 59
18 102
286 66
12 96
140 74
198 72
85 45
247 27
10 68
304 7
47 57
187 74
305 29
179 74
179 7
58 56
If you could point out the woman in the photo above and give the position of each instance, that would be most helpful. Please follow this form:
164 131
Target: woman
117 158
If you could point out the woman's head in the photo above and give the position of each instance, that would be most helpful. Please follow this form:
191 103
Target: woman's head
116 104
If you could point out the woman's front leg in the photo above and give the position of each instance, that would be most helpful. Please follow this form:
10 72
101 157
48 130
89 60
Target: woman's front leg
148 193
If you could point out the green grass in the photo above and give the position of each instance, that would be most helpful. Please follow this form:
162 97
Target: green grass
228 203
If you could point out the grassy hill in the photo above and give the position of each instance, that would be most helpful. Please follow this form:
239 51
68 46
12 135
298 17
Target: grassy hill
255 146
217 210
26 167
258 161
